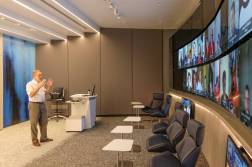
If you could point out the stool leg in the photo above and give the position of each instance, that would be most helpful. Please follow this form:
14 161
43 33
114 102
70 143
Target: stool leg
122 160
117 159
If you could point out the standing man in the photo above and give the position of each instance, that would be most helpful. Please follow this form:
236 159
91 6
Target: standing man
36 90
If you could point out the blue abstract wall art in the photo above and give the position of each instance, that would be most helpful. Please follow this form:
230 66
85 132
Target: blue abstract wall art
18 64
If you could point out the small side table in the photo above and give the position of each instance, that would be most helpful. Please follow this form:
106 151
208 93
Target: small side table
119 145
136 103
123 130
138 108
132 120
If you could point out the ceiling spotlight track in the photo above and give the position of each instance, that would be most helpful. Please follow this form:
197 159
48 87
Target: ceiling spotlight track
113 7
46 16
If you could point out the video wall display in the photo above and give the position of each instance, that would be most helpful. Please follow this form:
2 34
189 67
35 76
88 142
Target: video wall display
218 37
18 64
227 81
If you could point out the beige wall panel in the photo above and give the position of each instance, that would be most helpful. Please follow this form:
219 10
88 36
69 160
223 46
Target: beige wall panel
116 71
52 60
208 11
147 64
167 60
1 81
197 18
84 65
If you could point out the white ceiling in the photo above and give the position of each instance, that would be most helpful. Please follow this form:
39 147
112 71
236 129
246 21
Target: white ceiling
43 20
147 14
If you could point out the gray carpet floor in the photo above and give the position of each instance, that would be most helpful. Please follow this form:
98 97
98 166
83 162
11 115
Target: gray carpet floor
85 149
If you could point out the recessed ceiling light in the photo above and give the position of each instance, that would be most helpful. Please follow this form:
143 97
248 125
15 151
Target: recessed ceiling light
34 27
26 36
47 17
77 17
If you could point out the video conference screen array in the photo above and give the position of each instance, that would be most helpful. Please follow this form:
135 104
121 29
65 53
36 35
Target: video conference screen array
226 29
227 81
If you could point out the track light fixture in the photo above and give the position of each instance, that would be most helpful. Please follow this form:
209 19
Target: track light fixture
113 7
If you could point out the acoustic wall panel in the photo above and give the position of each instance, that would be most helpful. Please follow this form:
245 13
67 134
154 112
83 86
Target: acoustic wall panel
116 71
147 64
18 64
52 60
107 61
84 65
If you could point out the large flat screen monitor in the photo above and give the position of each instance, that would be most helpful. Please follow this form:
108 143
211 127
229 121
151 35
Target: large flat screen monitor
232 23
188 107
245 17
234 157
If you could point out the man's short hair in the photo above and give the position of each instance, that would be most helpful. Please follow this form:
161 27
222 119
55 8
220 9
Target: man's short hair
34 72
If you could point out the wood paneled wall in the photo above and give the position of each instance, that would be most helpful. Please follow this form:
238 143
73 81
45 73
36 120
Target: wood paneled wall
124 64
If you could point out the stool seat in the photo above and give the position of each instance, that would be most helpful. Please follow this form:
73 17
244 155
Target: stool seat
132 119
136 103
139 106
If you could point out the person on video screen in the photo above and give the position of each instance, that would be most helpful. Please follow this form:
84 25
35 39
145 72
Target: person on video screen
224 96
247 99
189 80
211 45
217 89
199 87
233 19
234 100
245 7
206 48
200 57
194 80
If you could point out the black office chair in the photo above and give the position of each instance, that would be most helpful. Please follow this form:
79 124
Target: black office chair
57 97
160 128
174 134
165 109
156 103
187 150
